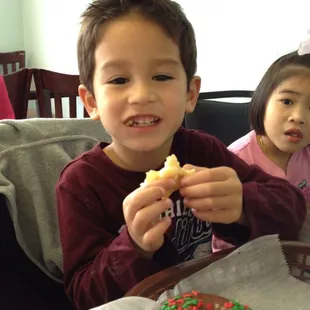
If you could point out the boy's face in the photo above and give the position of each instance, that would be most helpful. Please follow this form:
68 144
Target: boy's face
140 84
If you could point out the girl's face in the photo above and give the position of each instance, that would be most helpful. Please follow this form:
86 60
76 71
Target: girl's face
287 116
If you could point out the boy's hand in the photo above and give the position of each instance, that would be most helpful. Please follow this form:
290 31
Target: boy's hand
215 195
142 209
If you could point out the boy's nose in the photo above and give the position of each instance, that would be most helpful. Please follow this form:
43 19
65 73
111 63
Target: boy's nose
141 93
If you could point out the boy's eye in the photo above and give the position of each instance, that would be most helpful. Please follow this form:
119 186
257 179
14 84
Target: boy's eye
119 80
287 101
162 77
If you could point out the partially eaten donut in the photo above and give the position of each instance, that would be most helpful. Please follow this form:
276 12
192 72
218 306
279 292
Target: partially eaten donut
171 170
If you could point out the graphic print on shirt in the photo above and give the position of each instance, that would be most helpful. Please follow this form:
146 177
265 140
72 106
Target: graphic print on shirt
191 237
304 235
304 186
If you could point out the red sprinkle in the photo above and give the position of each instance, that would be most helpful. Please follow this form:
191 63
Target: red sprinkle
200 303
228 305
209 306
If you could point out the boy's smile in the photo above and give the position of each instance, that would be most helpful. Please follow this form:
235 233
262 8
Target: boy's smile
139 121
140 88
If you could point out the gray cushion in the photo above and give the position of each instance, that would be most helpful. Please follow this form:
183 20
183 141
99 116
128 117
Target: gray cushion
32 154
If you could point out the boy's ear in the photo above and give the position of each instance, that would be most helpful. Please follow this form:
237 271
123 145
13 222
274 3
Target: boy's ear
89 102
192 94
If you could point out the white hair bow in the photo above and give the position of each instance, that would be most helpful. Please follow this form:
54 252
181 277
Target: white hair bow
305 45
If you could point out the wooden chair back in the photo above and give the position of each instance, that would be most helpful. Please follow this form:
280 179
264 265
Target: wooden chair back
54 85
15 60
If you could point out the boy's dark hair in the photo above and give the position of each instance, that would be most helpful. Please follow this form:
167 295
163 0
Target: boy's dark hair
167 14
285 67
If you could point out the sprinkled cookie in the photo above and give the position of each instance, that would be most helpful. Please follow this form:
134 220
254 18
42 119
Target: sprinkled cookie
199 301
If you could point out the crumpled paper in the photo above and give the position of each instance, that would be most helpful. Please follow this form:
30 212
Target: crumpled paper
255 274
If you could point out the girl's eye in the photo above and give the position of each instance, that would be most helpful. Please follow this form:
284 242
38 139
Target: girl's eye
119 80
287 101
162 77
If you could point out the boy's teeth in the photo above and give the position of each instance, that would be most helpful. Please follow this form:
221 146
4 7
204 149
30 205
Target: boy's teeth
142 121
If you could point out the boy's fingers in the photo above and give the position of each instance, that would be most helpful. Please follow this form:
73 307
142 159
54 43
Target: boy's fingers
144 218
154 237
139 199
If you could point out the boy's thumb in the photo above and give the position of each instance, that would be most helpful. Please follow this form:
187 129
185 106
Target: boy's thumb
189 167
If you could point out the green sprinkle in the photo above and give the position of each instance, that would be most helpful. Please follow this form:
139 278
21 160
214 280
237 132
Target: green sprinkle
191 301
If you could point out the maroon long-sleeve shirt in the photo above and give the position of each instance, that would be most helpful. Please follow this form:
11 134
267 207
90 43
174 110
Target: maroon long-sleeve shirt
100 261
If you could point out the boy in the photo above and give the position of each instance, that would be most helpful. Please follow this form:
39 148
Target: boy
137 61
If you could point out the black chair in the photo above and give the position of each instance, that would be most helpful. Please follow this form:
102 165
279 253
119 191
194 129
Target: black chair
223 119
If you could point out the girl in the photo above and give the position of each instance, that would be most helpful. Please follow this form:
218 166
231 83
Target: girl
6 109
280 118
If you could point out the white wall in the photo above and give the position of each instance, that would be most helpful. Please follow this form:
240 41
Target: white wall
11 26
239 39
50 30
50 33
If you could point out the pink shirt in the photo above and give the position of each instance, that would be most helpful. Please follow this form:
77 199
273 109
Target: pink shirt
6 109
298 174
298 168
